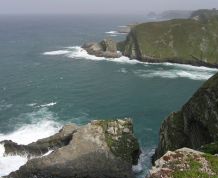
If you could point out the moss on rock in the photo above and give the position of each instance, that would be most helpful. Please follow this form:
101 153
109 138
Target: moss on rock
120 139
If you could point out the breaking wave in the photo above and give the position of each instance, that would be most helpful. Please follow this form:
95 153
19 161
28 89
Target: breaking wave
150 70
114 33
43 125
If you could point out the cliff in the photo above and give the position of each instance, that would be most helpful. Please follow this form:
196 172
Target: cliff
186 41
99 149
195 125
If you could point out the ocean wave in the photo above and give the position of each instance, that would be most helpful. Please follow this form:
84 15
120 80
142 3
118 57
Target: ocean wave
162 70
114 33
48 104
76 52
55 53
144 163
43 125
9 164
176 73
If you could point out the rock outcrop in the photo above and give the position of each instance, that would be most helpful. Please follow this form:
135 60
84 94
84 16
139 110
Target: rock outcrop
195 125
185 163
42 146
106 48
103 149
185 41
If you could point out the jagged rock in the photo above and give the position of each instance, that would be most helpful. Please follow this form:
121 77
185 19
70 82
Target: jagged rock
42 146
195 125
185 163
106 48
92 152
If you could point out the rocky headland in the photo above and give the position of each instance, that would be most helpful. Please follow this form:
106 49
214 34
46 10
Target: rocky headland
103 149
185 41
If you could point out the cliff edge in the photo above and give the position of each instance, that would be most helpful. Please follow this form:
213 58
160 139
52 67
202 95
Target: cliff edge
187 41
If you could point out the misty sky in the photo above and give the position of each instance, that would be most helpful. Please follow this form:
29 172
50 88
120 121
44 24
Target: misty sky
99 6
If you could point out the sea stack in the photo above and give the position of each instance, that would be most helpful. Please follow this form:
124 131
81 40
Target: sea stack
106 48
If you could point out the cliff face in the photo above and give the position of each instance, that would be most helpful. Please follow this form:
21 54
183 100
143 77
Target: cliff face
193 41
195 125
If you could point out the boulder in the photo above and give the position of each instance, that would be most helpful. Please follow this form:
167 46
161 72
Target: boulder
185 163
106 48
92 152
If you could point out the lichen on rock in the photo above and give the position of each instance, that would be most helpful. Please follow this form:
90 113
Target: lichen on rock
185 163
119 137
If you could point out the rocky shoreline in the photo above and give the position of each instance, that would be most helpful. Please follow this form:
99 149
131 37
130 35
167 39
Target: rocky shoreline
190 41
188 146
98 149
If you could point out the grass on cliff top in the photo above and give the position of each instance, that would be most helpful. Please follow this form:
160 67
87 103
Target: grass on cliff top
195 166
182 39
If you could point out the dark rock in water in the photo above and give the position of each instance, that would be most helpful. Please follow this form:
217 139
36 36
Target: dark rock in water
105 149
195 125
42 146
106 48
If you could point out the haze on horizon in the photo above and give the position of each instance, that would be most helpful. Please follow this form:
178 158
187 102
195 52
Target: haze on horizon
100 6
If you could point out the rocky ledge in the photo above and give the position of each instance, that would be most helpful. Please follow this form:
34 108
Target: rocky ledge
106 48
103 149
185 163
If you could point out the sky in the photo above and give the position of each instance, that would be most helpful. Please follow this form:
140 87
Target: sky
100 6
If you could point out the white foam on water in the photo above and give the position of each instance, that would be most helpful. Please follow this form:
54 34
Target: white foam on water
193 73
43 125
9 164
48 153
144 163
123 70
174 70
112 32
76 52
32 104
48 104
55 53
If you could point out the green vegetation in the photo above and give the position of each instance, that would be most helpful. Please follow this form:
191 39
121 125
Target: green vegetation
195 170
211 148
179 40
122 144
213 162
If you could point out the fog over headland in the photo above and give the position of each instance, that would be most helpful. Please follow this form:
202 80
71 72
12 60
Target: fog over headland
100 6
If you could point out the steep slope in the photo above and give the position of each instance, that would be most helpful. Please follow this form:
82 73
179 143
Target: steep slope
189 41
195 125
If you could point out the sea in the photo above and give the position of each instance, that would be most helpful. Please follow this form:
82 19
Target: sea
47 80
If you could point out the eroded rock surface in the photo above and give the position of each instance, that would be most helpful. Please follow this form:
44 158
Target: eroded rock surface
106 48
105 149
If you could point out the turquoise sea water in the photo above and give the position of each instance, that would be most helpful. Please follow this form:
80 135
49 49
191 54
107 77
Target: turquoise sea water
47 80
